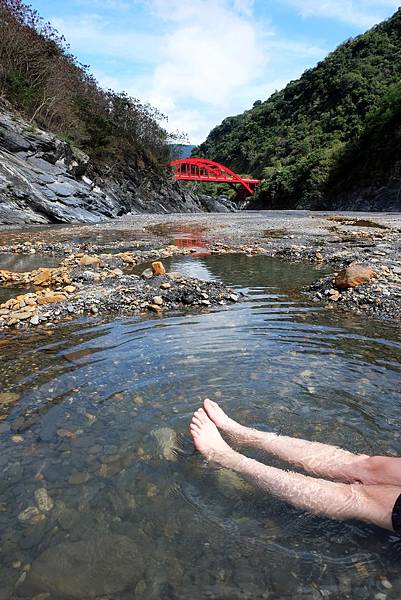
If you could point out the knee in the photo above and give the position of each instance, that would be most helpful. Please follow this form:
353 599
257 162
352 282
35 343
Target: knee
371 468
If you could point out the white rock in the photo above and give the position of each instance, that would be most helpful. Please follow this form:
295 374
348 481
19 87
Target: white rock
43 500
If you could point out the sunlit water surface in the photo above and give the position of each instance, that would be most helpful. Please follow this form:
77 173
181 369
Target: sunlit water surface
102 423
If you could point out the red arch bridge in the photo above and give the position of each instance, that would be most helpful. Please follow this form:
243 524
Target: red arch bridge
201 169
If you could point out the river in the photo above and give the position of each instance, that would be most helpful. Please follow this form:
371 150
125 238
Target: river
129 510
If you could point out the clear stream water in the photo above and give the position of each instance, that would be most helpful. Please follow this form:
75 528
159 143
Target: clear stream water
101 422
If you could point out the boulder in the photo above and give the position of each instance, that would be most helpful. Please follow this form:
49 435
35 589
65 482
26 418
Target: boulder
353 276
102 566
158 268
90 260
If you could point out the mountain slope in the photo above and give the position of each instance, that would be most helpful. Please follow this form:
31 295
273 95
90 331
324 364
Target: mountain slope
297 138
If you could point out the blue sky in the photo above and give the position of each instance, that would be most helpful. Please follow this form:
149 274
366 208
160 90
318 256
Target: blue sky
199 61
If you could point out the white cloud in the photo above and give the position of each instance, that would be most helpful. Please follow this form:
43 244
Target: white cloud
363 13
94 34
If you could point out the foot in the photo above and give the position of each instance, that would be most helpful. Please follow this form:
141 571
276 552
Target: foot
236 431
208 441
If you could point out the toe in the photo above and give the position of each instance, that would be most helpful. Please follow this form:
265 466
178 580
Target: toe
196 420
194 429
202 415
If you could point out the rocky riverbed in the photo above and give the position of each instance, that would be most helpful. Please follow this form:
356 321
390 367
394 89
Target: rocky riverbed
105 284
332 240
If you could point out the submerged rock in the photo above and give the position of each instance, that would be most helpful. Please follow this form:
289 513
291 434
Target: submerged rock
101 566
30 516
167 443
43 500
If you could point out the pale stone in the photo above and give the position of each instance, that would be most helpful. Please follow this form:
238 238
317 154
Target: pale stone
43 500
30 516
90 260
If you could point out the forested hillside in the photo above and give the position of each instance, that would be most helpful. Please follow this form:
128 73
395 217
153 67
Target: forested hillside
71 151
42 79
335 128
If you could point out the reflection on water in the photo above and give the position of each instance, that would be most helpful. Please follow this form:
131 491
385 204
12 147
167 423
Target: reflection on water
26 262
99 420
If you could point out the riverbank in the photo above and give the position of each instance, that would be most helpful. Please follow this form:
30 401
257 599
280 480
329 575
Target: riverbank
332 239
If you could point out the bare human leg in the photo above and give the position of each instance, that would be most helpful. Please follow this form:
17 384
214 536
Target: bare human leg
369 503
313 457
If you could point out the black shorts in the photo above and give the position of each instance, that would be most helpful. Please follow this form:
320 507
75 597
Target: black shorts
396 517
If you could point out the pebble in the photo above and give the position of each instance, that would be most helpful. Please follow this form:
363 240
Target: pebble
34 320
158 300
43 500
147 274
8 397
31 516
78 478
386 583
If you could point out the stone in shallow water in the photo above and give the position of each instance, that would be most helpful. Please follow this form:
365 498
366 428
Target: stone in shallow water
8 398
43 500
101 566
166 439
30 516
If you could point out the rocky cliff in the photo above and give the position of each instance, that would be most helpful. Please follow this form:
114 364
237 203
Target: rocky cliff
44 179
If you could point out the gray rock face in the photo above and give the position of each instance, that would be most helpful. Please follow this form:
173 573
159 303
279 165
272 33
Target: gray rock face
98 567
45 180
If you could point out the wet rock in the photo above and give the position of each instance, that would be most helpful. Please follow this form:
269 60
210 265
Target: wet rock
353 276
188 299
147 274
7 398
43 500
78 478
158 268
68 519
30 516
167 443
230 481
102 566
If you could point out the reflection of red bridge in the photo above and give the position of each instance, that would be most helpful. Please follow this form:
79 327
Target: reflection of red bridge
201 169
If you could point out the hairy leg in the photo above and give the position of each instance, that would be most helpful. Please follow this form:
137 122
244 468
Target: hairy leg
372 504
314 457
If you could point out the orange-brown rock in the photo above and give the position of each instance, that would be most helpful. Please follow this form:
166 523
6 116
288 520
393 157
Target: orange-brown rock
51 298
43 276
158 268
87 260
127 258
353 275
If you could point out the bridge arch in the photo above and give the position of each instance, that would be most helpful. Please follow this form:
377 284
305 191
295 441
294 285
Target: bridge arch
202 169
